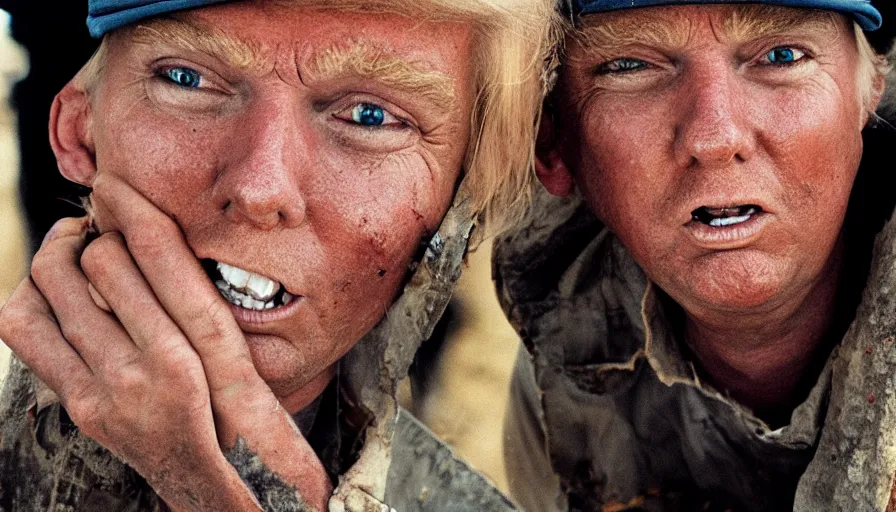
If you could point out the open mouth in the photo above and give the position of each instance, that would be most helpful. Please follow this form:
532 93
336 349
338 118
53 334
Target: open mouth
246 289
725 216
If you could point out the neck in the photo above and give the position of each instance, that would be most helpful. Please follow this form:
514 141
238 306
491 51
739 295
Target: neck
297 400
762 362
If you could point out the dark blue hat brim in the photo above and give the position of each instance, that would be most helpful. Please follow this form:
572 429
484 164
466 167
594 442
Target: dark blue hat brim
107 15
865 14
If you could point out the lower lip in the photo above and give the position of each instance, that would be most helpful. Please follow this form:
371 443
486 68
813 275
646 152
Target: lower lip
728 237
252 317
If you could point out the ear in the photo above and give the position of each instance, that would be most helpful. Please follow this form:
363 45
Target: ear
71 136
550 168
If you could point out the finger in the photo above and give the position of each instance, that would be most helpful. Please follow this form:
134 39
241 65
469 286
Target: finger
29 329
120 285
98 298
158 246
66 227
95 334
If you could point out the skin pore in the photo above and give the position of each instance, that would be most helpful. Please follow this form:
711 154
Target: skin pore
318 161
662 113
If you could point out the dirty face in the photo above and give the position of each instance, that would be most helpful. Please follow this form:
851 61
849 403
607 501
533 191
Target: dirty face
720 143
304 153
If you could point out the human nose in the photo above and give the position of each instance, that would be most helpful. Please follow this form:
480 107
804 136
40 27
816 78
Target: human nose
714 128
259 183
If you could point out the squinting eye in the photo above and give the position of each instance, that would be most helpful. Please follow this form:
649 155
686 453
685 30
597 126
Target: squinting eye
621 66
368 114
184 77
784 55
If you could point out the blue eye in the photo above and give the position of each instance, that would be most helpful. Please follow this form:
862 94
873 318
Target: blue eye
184 77
784 55
367 114
621 66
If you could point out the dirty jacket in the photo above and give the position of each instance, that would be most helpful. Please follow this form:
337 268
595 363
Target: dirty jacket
609 413
380 457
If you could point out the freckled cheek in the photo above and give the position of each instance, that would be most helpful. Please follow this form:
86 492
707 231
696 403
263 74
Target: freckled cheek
367 224
364 283
820 159
618 174
170 165
379 204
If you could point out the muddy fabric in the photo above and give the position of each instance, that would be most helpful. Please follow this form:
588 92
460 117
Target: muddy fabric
432 478
609 413
46 464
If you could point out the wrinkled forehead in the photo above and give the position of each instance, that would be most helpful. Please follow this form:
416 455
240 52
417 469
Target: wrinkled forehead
358 47
674 26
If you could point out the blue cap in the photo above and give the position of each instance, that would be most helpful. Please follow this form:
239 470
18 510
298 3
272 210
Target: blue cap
867 16
104 16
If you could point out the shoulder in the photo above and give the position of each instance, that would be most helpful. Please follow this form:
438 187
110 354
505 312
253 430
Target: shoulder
425 474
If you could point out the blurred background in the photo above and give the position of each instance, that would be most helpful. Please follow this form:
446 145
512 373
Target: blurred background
13 250
462 379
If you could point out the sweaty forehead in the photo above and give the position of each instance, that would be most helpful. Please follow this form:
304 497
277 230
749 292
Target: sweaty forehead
674 26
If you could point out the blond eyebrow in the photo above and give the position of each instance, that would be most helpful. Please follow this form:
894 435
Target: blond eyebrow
613 30
180 33
356 59
746 22
758 21
361 60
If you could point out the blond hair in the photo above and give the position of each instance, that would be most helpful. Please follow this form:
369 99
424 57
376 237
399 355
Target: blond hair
873 69
514 41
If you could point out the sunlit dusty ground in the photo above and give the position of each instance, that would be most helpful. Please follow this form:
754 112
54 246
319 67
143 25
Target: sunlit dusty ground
468 403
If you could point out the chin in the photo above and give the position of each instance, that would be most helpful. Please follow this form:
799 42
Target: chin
734 281
279 363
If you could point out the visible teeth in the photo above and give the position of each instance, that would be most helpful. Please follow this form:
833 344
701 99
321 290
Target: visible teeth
237 277
257 293
241 299
728 221
260 287
725 216
257 286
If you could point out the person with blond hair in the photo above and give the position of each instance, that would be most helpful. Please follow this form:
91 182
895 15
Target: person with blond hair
707 320
282 192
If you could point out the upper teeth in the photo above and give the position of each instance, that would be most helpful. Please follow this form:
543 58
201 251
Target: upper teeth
726 216
729 221
259 287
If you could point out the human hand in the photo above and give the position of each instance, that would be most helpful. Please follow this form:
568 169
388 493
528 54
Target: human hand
164 383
